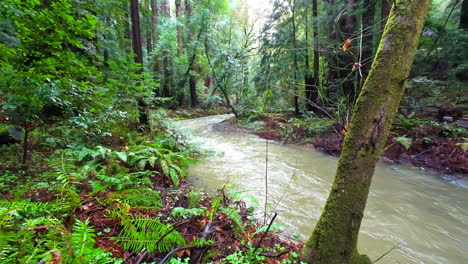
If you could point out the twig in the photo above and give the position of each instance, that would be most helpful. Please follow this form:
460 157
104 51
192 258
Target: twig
176 250
172 230
386 253
266 232
141 256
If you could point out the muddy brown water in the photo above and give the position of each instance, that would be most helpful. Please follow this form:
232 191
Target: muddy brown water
425 214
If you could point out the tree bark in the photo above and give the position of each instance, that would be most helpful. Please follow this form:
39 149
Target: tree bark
464 15
137 49
310 89
193 78
154 22
180 37
180 44
295 68
136 32
334 239
316 49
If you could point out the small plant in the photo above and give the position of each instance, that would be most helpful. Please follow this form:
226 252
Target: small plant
404 141
187 213
143 232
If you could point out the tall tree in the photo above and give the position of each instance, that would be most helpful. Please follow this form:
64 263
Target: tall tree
137 49
334 240
308 77
193 78
292 6
180 32
180 44
136 31
464 15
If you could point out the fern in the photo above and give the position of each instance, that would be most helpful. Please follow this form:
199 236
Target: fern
194 199
274 226
214 208
235 216
139 198
139 233
82 243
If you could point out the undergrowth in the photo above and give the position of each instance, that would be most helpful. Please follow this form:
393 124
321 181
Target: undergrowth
124 200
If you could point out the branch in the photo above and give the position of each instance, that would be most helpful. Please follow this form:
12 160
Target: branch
266 232
386 253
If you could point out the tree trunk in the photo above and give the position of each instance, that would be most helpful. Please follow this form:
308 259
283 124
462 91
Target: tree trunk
295 68
155 21
137 49
464 15
334 240
180 44
316 49
310 89
193 91
193 79
180 37
136 32
164 69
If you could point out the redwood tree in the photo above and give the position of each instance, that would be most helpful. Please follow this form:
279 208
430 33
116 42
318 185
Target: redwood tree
334 239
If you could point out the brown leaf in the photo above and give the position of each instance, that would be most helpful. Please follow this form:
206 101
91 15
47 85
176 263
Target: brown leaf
346 44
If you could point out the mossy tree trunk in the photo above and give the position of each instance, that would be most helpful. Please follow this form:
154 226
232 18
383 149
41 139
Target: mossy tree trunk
334 239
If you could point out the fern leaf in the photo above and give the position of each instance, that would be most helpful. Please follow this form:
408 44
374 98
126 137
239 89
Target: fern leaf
235 216
139 233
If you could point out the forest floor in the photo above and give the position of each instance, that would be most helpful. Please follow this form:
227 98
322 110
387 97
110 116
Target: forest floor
110 189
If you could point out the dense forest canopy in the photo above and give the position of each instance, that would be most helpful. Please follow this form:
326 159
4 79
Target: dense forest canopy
90 161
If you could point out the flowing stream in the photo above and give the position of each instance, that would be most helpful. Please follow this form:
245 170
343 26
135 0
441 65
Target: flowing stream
426 215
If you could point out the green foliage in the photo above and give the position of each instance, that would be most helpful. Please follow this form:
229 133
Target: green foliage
82 243
138 198
248 257
29 234
187 213
235 216
179 261
404 141
263 228
194 198
141 232
409 122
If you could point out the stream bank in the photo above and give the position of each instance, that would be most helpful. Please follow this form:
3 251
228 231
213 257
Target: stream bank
425 215
423 143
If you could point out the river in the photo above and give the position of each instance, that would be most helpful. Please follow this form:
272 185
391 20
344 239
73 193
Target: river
426 215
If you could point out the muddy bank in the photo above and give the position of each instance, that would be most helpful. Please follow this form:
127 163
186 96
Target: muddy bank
428 146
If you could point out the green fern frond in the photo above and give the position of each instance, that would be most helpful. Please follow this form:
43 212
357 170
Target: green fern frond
139 198
214 208
194 199
274 226
139 233
235 216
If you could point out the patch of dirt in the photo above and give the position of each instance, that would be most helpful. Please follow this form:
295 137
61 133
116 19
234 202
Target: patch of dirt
230 126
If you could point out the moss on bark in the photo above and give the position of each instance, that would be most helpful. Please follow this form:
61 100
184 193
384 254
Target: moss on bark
334 240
